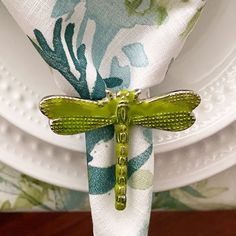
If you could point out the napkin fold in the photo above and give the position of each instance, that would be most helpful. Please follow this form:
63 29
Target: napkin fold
97 44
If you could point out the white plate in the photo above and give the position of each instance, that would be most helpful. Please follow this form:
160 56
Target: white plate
207 64
67 168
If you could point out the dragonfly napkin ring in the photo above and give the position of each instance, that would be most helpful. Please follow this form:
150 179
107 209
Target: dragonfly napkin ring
72 115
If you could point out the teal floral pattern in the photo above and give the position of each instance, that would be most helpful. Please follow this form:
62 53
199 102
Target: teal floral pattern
19 192
101 179
108 23
56 57
198 196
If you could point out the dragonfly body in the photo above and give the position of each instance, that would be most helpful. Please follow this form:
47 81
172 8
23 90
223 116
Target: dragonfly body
71 115
124 99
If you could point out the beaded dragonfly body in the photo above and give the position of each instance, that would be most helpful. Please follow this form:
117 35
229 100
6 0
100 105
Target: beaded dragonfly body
71 115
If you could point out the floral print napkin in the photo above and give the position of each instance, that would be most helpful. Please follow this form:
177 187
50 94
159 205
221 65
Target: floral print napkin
97 44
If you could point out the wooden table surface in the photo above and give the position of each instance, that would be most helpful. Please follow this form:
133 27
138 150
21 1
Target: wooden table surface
218 223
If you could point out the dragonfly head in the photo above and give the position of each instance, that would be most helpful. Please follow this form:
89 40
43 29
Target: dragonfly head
128 95
109 94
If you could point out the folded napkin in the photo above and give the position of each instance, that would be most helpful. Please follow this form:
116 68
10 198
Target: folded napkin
93 45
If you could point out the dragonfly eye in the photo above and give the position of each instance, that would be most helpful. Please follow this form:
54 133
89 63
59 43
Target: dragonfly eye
109 94
137 92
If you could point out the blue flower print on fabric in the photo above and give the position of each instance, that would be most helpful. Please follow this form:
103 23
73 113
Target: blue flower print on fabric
56 57
136 54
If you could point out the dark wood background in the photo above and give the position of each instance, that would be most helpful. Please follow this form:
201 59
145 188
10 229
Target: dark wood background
215 223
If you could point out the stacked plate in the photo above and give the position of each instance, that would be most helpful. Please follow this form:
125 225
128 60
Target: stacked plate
207 64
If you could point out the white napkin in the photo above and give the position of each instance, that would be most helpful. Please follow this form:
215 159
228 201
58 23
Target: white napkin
94 44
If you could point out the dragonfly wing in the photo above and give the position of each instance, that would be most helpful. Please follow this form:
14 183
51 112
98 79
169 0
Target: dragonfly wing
172 112
185 99
70 126
173 121
55 107
69 115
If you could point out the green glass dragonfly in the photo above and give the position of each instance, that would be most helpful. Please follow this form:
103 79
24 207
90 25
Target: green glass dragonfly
72 115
